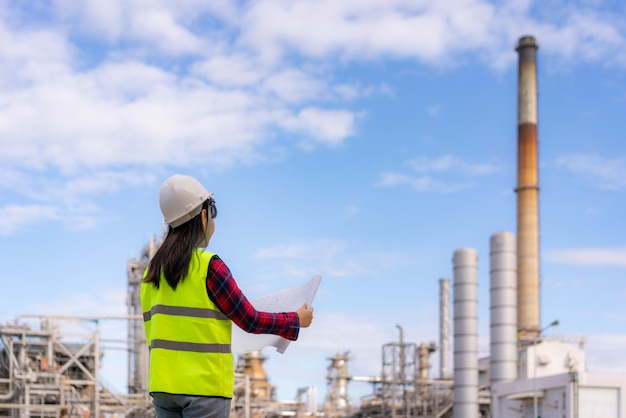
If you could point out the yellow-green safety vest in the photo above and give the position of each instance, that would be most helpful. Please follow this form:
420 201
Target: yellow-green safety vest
188 336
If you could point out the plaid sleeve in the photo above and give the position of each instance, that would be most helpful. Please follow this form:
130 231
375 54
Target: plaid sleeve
224 292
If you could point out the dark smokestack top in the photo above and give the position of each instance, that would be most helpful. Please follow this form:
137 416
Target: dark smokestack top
526 41
527 80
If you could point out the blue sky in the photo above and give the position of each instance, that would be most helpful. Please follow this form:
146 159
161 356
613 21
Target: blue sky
362 140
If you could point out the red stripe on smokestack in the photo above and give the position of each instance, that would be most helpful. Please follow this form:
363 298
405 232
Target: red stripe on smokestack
528 324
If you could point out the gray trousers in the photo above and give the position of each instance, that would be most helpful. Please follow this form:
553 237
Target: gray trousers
185 406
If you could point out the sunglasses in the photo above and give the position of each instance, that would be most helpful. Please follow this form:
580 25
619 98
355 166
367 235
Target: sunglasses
212 208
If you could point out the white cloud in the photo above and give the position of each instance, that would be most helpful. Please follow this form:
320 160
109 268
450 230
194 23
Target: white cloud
131 112
328 257
282 251
93 86
585 35
160 28
323 126
237 69
125 81
172 124
157 25
454 169
13 217
366 29
420 184
323 249
97 17
65 199
355 30
30 56
105 302
434 32
603 172
134 114
294 86
588 256
422 164
106 182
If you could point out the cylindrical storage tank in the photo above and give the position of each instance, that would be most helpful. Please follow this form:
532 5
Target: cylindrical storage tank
503 307
465 262
444 328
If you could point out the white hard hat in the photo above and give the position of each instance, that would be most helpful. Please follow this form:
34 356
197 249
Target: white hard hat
181 199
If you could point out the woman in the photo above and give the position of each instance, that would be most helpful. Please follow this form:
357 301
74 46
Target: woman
189 299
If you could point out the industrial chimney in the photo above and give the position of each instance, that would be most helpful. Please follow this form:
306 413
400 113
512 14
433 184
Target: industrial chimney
528 324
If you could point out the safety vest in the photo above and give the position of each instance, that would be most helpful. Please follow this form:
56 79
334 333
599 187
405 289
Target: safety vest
188 336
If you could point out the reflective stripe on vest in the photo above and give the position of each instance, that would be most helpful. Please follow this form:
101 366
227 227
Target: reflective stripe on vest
188 336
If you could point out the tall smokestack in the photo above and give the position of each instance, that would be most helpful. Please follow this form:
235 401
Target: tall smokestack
528 324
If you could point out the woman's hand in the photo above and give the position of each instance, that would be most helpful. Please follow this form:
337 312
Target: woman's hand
305 313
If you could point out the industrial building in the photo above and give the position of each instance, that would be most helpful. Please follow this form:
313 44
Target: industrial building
49 365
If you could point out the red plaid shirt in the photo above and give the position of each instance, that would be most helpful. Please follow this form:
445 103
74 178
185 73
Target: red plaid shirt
225 293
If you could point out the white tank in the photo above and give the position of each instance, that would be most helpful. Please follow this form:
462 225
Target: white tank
465 262
503 306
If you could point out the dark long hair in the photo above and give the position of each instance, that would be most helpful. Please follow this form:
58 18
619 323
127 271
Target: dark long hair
174 255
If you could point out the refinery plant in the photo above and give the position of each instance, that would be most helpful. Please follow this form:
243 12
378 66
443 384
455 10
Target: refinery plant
49 365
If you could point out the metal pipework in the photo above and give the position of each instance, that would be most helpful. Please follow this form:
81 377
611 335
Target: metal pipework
528 324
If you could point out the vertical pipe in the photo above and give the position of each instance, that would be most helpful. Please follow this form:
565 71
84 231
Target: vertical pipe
444 328
503 307
96 370
527 193
465 333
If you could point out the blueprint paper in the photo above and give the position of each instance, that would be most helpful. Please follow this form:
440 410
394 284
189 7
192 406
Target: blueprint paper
287 300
